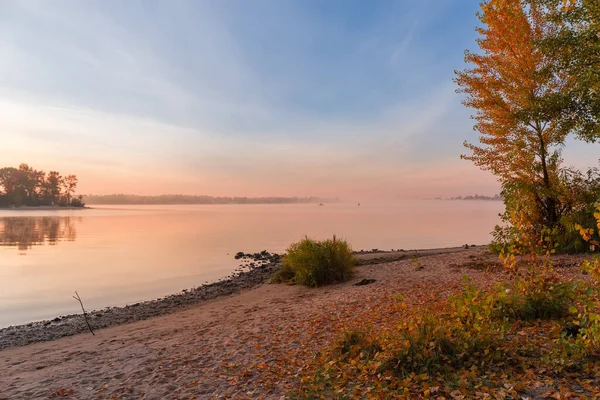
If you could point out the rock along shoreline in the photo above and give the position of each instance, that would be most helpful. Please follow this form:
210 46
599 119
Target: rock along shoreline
255 269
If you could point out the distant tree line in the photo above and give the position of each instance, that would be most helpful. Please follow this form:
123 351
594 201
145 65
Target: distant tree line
202 199
496 197
25 186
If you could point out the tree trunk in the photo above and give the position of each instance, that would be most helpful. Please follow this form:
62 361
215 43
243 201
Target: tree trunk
549 201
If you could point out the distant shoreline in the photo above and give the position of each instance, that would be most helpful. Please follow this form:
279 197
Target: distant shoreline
43 208
465 199
179 199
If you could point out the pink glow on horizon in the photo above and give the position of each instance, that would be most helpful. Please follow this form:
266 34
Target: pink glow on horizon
411 182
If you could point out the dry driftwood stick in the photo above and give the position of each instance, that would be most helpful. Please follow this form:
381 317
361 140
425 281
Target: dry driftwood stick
76 297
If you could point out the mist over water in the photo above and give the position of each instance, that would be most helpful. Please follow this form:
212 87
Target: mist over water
124 254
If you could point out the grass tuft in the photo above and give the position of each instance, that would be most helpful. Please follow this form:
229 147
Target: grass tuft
316 263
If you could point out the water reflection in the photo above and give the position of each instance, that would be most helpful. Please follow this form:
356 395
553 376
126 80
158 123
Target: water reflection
26 232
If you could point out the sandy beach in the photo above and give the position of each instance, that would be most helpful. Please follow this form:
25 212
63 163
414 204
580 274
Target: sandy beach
245 345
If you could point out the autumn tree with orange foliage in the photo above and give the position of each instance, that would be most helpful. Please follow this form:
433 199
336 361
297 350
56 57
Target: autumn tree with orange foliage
520 135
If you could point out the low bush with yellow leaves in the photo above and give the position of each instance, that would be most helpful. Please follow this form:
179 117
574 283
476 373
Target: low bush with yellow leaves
587 314
521 338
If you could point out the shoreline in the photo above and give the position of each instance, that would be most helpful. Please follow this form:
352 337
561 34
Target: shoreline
255 272
43 208
258 270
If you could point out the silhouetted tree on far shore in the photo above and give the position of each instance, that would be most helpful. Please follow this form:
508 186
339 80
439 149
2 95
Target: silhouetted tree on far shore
25 186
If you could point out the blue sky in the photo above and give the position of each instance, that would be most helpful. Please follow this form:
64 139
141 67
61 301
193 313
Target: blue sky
265 97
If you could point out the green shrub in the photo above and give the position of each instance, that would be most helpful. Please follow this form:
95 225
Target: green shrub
553 304
316 263
528 212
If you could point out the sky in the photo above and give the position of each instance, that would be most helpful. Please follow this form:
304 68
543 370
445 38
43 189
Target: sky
243 98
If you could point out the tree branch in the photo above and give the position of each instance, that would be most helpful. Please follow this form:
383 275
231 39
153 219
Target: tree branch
76 297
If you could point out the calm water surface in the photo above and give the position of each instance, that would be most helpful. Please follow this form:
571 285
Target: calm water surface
115 255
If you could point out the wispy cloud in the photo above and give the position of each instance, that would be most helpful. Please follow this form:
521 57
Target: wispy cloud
267 97
401 49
